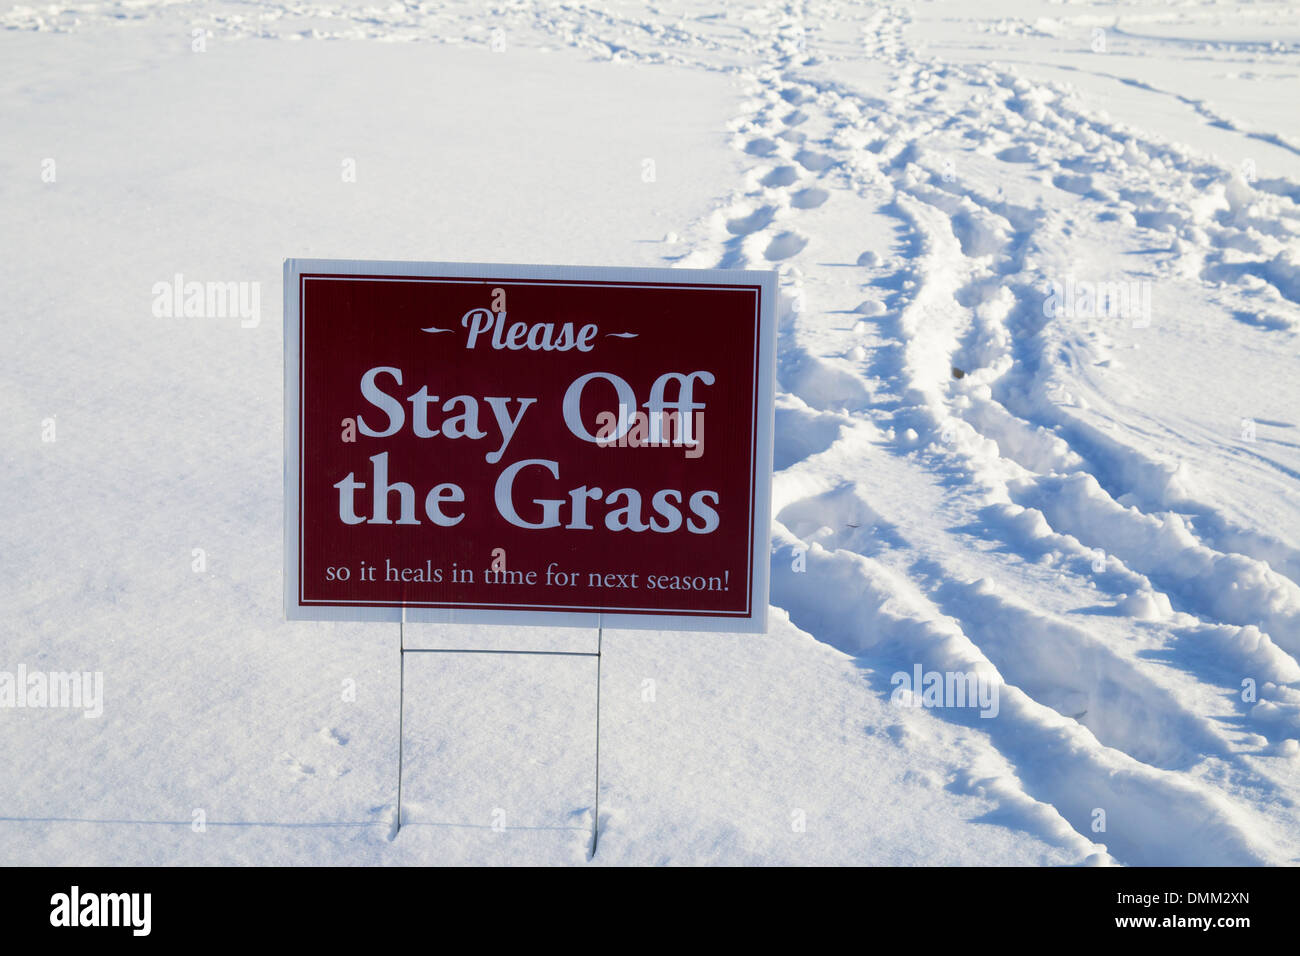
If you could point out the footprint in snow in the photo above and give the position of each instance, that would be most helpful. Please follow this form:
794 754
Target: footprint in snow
780 176
809 198
294 764
784 245
330 735
812 160
754 221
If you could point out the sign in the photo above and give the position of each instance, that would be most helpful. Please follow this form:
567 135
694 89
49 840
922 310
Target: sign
528 444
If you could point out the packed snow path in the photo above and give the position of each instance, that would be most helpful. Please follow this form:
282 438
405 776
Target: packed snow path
957 460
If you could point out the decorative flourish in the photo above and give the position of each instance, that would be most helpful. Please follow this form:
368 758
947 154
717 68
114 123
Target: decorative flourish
434 328
621 335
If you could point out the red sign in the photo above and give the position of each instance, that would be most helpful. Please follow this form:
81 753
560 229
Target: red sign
526 442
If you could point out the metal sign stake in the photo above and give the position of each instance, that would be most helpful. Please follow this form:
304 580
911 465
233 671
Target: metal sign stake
595 813
401 706
401 712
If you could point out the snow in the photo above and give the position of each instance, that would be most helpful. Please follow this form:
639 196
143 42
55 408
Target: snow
1090 509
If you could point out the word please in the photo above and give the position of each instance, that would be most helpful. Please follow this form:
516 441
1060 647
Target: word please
539 336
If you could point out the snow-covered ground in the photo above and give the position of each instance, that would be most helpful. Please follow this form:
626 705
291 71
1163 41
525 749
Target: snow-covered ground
979 467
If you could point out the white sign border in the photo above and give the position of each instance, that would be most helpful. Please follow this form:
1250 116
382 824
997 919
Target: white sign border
763 445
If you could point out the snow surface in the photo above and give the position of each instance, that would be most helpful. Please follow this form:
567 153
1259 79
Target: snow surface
1096 512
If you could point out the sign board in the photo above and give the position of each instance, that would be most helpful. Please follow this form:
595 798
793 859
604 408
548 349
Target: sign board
528 444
